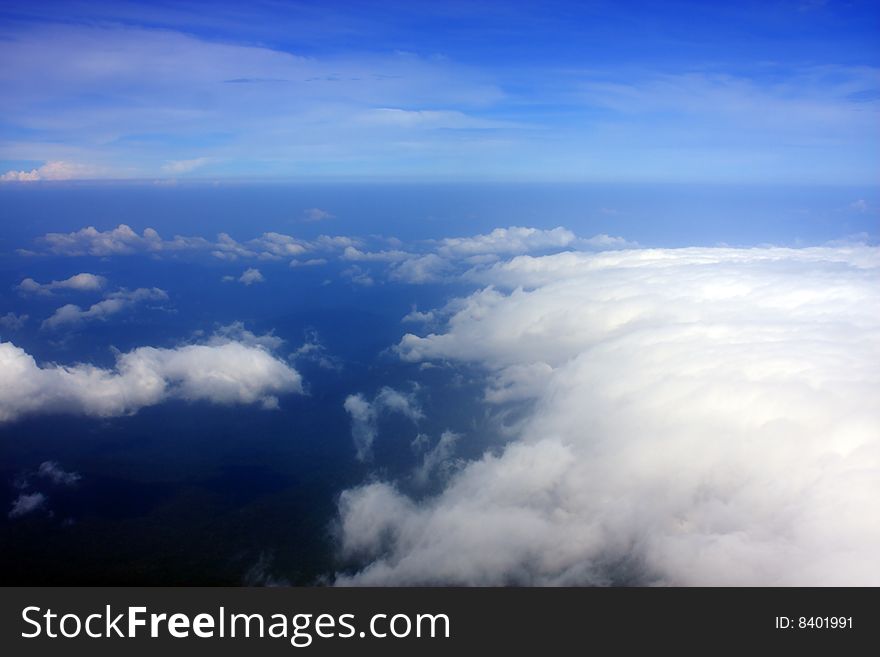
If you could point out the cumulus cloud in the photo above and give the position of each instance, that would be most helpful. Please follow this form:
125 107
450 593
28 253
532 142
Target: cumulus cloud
84 282
251 276
516 239
12 321
356 255
603 241
278 245
423 269
705 416
54 170
52 471
223 371
236 332
27 503
316 214
313 350
358 276
123 240
365 415
113 304
311 262
438 460
416 316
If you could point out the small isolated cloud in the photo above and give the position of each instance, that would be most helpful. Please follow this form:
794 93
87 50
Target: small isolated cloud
365 415
311 262
83 282
251 276
356 255
222 371
418 317
859 206
113 304
698 416
314 351
54 473
358 276
316 214
27 503
55 170
177 167
13 322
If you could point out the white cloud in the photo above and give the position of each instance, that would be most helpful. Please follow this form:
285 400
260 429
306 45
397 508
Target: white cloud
314 351
27 503
356 255
278 245
251 276
859 206
423 269
431 119
358 276
113 304
13 322
316 214
311 262
222 372
52 471
603 241
365 415
438 460
176 167
83 282
515 239
705 417
54 170
123 240
418 317
236 332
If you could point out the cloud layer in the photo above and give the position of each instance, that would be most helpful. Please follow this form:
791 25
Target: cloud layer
698 416
224 371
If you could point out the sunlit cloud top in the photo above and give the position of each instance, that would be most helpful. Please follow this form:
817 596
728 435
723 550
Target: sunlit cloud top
784 91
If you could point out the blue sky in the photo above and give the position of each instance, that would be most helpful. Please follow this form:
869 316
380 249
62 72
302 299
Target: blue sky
769 92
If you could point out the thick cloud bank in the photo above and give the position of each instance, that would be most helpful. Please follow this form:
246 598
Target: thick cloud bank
222 372
699 416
